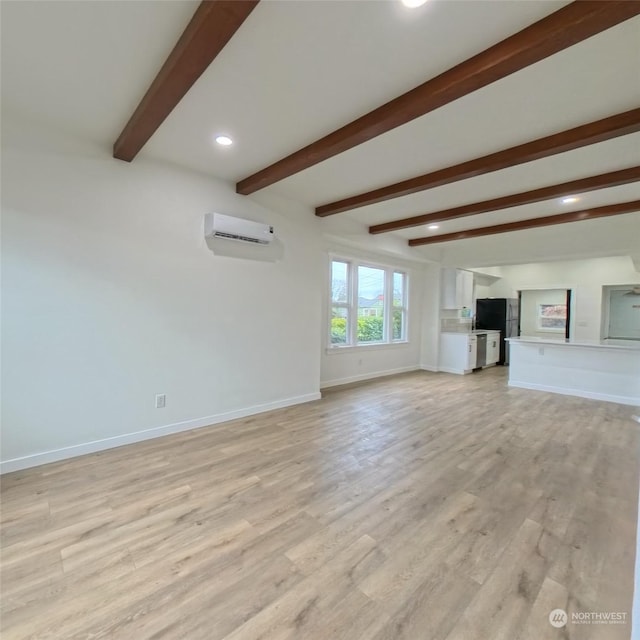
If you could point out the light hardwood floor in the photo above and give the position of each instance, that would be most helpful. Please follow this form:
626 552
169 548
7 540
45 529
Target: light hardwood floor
420 507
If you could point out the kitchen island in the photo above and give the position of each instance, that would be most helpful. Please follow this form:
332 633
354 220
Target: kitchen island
606 370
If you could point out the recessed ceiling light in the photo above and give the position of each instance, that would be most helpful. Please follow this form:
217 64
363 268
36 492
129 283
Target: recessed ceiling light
434 226
412 4
225 141
569 200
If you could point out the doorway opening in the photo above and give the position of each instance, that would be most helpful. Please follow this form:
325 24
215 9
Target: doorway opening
545 313
621 312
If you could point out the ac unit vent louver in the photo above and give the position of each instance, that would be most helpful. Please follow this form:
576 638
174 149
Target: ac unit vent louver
217 225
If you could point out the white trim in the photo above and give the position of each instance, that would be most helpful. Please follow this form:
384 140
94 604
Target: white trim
631 400
459 372
367 376
37 459
428 367
364 346
352 307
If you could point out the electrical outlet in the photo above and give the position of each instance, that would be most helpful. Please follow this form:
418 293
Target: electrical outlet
161 401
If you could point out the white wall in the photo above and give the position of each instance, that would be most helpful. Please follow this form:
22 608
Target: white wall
430 320
111 296
585 277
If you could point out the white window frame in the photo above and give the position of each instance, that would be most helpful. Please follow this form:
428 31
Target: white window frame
341 305
540 318
352 306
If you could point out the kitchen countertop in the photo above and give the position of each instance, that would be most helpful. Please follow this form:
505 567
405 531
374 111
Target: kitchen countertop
475 332
629 345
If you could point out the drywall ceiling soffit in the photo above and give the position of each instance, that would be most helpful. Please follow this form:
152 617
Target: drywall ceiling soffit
355 246
353 235
483 279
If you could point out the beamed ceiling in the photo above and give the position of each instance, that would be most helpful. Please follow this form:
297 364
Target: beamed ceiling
478 116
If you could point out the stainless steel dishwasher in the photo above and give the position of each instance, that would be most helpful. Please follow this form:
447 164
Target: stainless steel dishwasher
481 353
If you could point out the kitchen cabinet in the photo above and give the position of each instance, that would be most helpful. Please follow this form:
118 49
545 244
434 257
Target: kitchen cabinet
493 347
457 352
456 289
472 352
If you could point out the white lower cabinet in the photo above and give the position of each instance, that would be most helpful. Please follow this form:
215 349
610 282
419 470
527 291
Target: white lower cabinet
472 353
457 352
493 347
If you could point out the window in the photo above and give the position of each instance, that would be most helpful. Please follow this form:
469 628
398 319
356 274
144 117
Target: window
552 317
368 304
399 315
340 316
622 309
371 304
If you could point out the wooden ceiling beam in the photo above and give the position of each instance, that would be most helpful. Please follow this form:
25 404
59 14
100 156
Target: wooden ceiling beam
602 181
212 26
532 223
606 129
569 25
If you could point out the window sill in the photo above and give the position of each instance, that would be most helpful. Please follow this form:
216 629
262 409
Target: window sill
332 351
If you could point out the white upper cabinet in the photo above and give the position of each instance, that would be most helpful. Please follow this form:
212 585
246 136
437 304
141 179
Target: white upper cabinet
457 289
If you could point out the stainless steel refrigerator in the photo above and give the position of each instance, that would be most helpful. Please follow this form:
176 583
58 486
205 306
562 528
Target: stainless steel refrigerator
500 314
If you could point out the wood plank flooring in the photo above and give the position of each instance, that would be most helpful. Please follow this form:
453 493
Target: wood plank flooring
420 507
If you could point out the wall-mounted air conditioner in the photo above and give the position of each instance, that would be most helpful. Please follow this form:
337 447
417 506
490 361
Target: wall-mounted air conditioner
217 225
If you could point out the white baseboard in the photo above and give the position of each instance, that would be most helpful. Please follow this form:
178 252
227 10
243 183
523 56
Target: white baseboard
367 376
459 372
37 459
428 367
576 392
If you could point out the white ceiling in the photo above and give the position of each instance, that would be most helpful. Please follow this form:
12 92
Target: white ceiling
295 71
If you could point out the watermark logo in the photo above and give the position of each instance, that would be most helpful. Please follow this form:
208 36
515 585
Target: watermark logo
558 618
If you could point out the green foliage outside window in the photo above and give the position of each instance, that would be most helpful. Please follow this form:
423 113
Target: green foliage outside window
370 329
